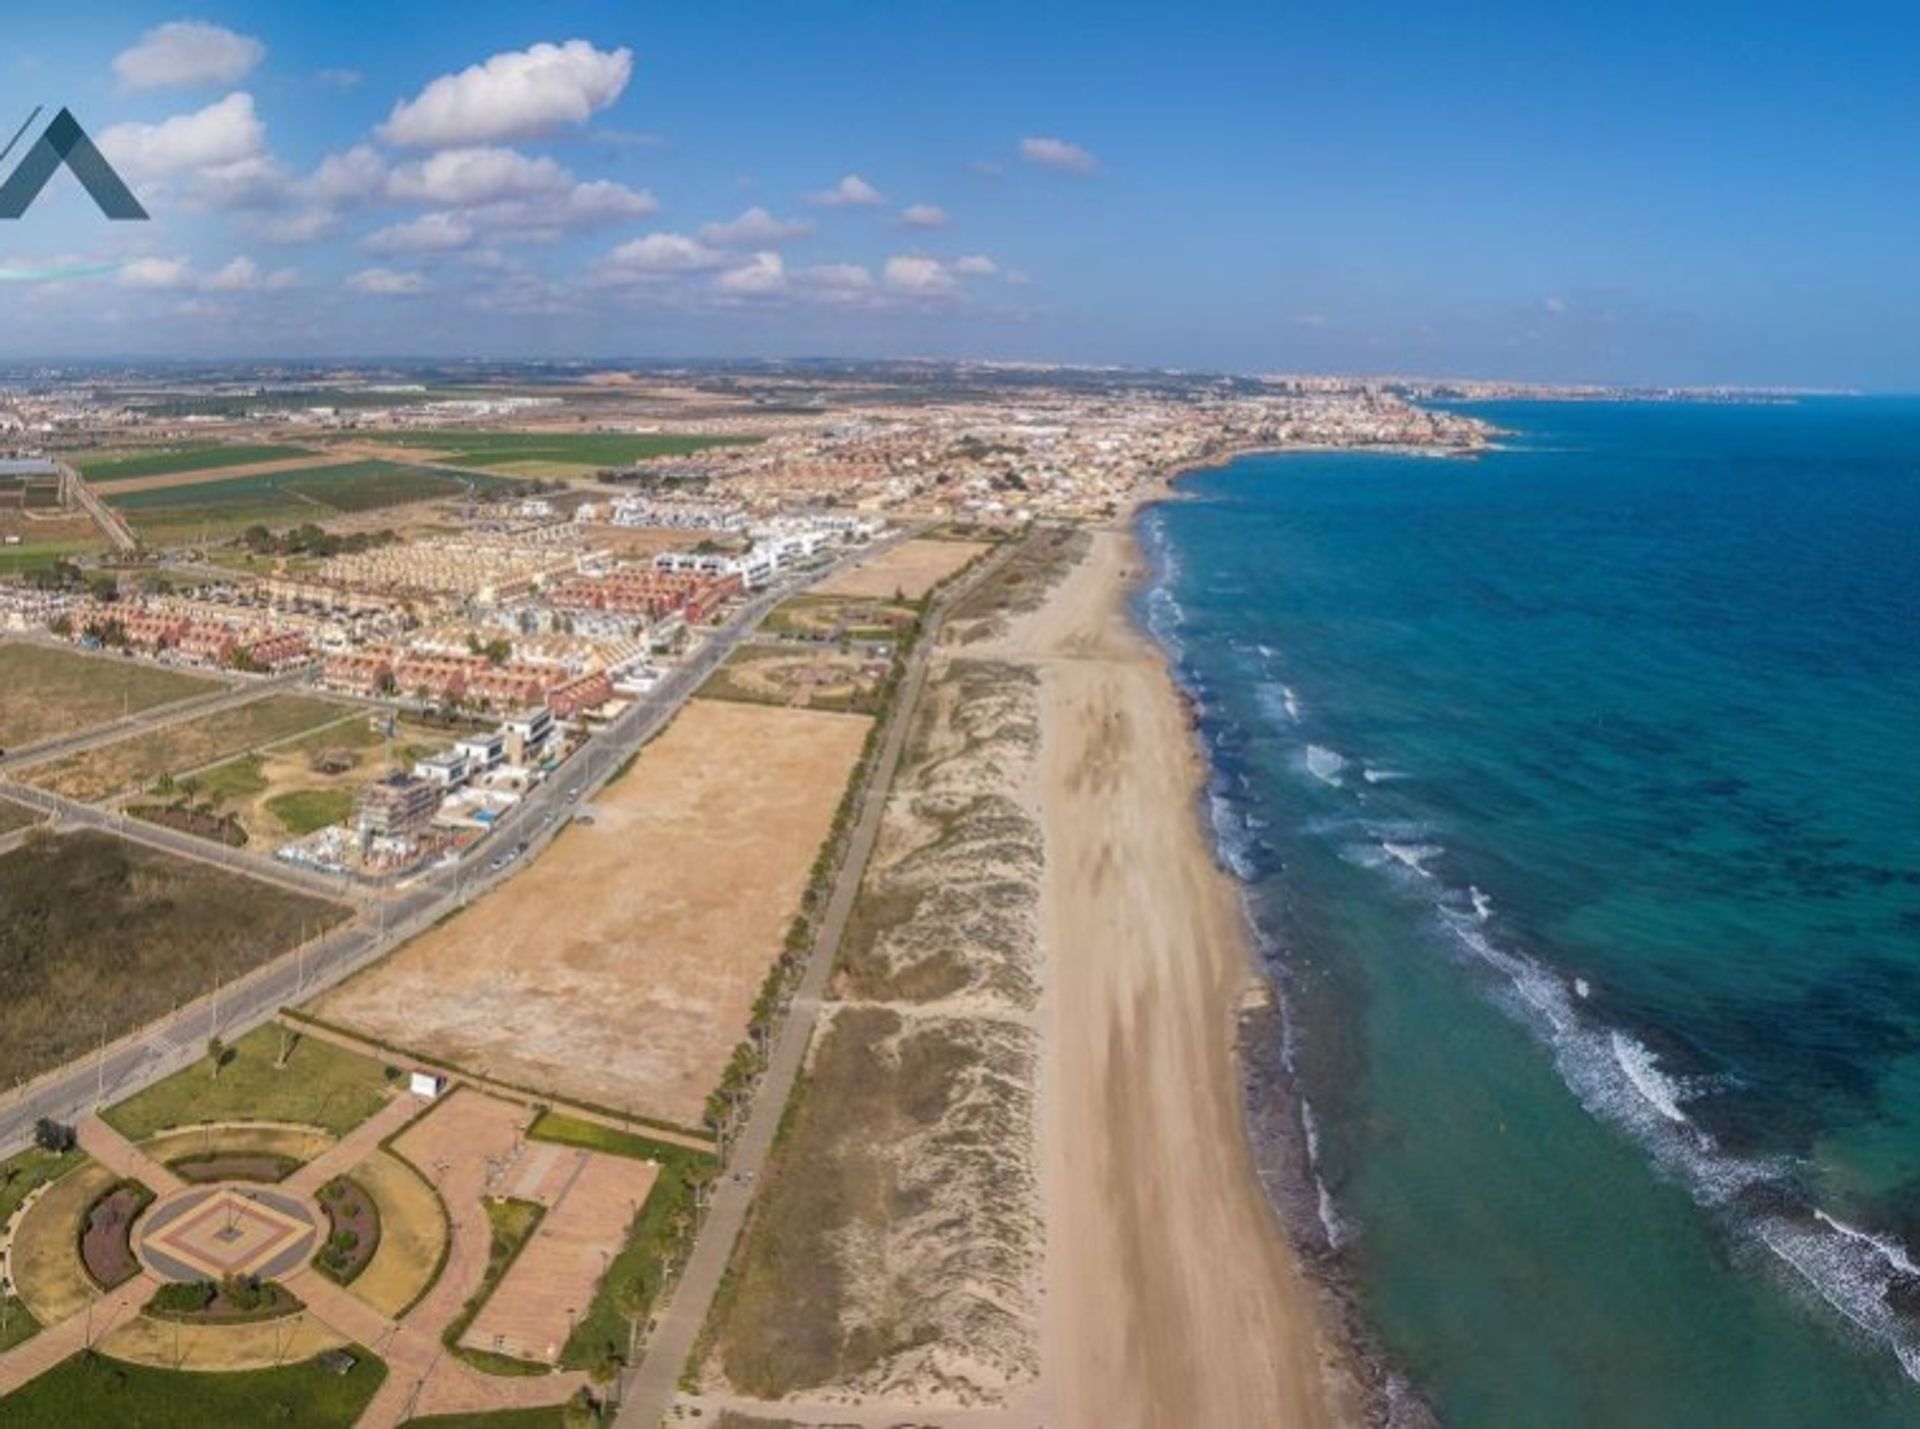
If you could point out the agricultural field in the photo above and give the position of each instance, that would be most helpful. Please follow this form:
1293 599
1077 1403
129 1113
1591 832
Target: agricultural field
98 936
314 491
820 678
306 783
542 454
905 572
39 549
180 749
621 968
107 468
47 691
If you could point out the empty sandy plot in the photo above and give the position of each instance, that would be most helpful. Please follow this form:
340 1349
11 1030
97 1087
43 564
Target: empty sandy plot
591 1200
621 968
911 569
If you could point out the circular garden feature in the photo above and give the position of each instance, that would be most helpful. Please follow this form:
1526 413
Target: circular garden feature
227 1233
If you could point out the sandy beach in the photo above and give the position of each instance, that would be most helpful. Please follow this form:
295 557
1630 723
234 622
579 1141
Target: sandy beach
1172 1295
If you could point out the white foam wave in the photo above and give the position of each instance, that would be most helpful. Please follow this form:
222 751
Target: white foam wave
1413 856
1482 902
1325 765
1894 1254
1381 776
1643 1071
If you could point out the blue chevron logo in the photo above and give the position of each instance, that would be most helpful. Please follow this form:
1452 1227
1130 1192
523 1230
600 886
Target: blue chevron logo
65 143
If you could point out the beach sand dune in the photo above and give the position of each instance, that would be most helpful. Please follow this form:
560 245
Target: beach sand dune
1172 1295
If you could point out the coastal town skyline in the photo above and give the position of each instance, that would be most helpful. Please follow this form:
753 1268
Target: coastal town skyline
1255 193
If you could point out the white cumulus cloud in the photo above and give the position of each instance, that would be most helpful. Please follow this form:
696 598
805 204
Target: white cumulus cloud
436 232
186 53
512 95
243 275
851 192
662 253
156 273
386 282
1058 154
924 215
479 175
225 133
975 265
920 277
754 228
763 273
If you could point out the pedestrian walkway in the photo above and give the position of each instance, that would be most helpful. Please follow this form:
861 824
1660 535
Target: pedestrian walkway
356 1146
123 1158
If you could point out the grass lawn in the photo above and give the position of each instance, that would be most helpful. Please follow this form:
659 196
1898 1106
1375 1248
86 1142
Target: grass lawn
179 749
660 1233
321 1085
98 936
38 555
93 1392
548 1416
17 1324
105 469
47 691
22 1174
236 779
305 810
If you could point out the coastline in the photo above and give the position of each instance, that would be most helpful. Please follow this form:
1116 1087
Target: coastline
1173 1292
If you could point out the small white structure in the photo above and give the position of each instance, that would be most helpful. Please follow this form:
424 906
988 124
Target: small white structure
427 1084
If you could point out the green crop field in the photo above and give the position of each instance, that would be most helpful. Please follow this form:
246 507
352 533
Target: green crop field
346 486
165 461
554 453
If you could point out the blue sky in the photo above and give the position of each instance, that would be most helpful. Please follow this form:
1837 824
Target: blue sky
1621 192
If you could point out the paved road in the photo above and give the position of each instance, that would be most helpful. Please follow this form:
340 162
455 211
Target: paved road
649 1390
395 913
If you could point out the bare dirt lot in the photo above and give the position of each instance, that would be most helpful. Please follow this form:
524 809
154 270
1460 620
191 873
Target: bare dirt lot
621 968
911 569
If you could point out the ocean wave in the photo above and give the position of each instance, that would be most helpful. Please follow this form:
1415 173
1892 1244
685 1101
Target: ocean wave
1381 776
1620 1080
1642 1069
1413 856
1325 764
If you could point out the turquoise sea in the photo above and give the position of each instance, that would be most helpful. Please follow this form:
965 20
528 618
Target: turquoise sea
1576 794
